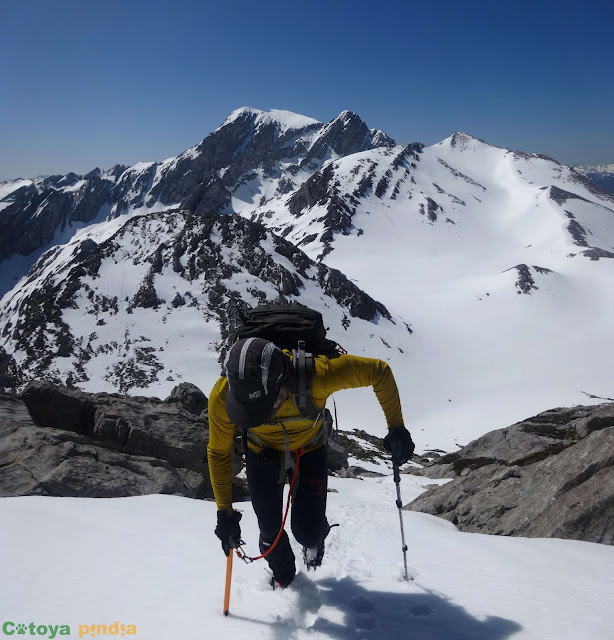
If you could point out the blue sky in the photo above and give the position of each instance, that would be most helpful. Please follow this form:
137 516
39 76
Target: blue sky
95 83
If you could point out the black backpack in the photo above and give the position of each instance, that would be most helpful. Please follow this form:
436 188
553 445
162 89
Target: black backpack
294 327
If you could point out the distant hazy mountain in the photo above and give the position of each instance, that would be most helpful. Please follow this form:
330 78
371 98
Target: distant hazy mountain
601 174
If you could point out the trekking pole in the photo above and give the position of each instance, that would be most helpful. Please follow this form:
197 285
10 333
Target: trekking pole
228 580
397 481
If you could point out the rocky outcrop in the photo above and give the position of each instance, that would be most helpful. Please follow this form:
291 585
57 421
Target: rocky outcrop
62 442
345 135
34 212
55 462
190 397
549 476
525 282
10 376
56 441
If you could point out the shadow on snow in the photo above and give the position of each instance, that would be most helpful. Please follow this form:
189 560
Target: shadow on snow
384 615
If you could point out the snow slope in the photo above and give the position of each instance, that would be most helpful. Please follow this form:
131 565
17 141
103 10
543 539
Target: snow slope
153 562
438 234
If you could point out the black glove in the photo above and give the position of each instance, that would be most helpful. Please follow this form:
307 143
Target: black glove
399 444
228 530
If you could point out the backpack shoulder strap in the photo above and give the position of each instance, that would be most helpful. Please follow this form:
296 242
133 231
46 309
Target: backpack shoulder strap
303 366
303 401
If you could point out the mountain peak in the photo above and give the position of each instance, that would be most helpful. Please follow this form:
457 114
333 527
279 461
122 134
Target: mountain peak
283 120
348 115
461 140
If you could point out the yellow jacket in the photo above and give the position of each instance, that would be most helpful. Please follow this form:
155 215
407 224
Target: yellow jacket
329 375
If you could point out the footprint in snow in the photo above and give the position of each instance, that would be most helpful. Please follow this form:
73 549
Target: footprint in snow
421 610
365 622
362 604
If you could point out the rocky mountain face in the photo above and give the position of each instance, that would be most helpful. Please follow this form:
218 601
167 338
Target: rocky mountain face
549 476
126 304
203 179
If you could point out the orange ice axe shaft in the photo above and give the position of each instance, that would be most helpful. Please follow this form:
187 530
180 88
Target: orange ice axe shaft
228 581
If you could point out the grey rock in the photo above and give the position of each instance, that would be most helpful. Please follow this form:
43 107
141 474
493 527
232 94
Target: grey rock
595 253
578 232
560 196
347 294
143 426
549 476
56 462
525 282
65 442
345 135
190 397
358 472
362 445
10 376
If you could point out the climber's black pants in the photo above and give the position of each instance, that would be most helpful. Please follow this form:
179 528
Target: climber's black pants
308 520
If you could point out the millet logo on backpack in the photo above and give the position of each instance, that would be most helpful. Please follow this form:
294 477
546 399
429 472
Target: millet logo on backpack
255 394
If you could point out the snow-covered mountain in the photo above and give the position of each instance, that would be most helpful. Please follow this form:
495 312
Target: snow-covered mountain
601 174
498 261
252 158
147 307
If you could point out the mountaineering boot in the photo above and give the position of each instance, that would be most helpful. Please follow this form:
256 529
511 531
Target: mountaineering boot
313 556
281 561
276 584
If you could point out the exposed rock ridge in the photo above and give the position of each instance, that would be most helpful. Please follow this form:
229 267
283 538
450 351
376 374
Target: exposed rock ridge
549 476
204 251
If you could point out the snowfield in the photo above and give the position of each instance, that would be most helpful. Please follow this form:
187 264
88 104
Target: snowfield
153 564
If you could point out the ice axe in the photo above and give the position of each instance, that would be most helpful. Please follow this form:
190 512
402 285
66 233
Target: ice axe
397 482
235 543
228 580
